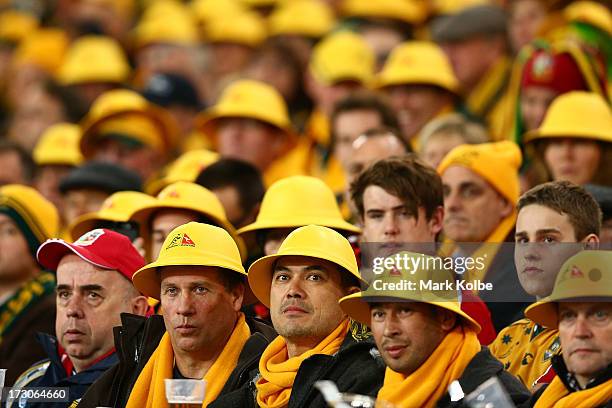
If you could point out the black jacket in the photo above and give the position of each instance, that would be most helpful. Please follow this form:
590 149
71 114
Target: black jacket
356 368
136 340
51 373
570 382
482 367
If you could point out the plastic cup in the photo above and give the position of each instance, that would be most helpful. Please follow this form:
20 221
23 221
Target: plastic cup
185 393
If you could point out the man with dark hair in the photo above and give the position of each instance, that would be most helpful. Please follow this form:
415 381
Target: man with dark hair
555 220
355 115
400 203
399 200
238 185
17 165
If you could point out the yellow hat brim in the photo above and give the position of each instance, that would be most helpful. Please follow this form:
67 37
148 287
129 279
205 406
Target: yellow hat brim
260 272
148 282
357 307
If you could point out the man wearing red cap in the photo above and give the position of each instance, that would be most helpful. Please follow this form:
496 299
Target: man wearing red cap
94 286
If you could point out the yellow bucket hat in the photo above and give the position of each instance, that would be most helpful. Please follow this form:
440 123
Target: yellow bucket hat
94 59
39 214
248 98
309 18
498 163
246 28
16 25
191 244
59 145
211 10
118 207
297 201
408 11
183 195
585 275
577 114
186 167
390 286
418 62
166 22
126 112
44 48
342 56
312 241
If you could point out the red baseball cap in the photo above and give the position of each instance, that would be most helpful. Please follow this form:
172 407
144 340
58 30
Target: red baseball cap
100 247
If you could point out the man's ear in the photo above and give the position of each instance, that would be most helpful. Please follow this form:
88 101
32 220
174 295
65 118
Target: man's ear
140 305
591 241
447 319
353 289
237 296
437 220
507 207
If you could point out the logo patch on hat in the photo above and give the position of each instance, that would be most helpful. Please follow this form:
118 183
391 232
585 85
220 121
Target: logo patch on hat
542 69
89 238
181 239
575 272
395 272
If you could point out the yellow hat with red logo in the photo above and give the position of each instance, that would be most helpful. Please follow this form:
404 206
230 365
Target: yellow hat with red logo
125 112
191 244
342 56
297 201
44 48
576 114
390 286
183 195
186 167
313 241
94 59
252 99
16 25
418 63
59 145
118 207
309 18
584 277
246 28
408 11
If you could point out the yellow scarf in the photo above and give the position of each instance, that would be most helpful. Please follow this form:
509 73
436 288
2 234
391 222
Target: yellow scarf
430 381
557 396
278 372
150 385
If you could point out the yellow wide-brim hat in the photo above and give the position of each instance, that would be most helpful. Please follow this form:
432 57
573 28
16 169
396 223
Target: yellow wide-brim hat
192 244
312 241
585 276
357 305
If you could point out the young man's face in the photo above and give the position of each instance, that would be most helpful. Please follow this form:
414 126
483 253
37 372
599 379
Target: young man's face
585 330
348 126
544 240
387 219
15 256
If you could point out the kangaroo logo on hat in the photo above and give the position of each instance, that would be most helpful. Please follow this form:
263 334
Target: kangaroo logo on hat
90 237
576 272
181 239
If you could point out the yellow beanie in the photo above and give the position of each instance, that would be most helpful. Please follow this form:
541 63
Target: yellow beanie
498 163
39 214
59 145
